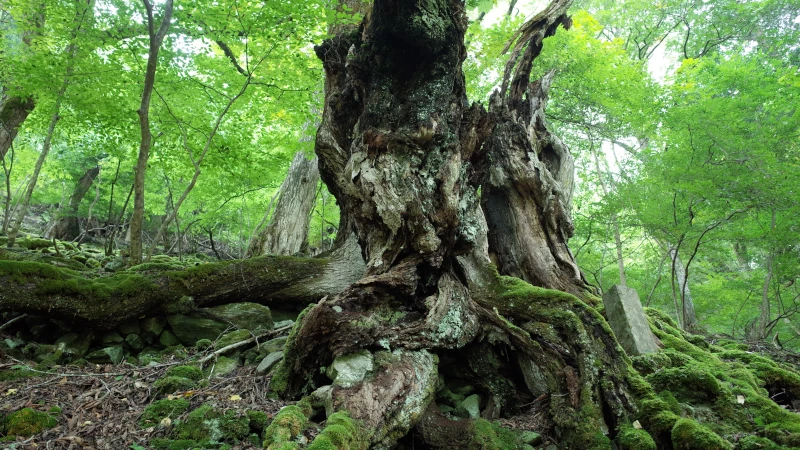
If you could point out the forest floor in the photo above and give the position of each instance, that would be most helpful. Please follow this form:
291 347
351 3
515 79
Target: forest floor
101 405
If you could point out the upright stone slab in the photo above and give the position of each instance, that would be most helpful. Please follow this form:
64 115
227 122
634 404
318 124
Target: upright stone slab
627 319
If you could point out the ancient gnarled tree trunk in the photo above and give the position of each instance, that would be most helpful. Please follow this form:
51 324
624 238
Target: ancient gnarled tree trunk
287 231
405 155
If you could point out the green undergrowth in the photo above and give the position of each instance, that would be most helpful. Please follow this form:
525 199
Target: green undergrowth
340 432
699 396
287 425
27 422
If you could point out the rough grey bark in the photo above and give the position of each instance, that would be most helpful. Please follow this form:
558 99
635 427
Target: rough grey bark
156 38
527 193
404 154
287 231
67 226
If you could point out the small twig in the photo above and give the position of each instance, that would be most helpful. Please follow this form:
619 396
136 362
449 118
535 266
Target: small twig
11 322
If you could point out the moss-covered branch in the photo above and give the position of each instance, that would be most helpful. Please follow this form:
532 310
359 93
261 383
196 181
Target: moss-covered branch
105 301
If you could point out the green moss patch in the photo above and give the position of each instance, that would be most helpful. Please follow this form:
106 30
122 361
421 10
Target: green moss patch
27 422
340 432
161 409
288 424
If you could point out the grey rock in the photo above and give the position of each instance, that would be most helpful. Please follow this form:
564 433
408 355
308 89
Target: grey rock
273 345
191 329
74 344
283 323
168 339
112 337
627 319
130 326
530 438
251 316
152 327
134 341
233 337
348 370
269 362
472 406
107 355
223 366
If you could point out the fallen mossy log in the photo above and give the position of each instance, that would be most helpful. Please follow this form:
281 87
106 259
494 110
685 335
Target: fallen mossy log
103 302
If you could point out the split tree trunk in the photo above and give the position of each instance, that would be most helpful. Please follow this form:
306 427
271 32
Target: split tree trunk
67 226
287 231
405 155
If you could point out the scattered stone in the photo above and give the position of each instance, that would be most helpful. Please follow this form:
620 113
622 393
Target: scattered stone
92 263
189 329
530 438
112 337
223 366
107 355
273 345
168 339
251 316
348 370
472 406
152 327
627 319
283 323
172 384
134 341
75 345
130 326
233 337
269 362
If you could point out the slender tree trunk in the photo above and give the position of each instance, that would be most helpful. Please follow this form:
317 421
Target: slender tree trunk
67 226
156 39
614 221
23 211
688 318
197 162
83 15
287 231
765 313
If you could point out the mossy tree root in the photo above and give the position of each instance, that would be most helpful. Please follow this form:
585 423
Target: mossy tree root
513 342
